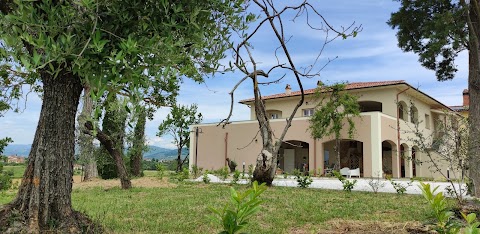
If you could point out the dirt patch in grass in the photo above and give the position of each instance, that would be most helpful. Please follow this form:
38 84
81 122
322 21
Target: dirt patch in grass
143 182
339 226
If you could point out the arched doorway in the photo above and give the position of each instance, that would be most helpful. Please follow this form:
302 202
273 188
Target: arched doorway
388 156
351 154
403 156
293 155
414 160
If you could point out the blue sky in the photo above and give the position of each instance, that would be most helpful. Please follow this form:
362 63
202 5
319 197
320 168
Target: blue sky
372 56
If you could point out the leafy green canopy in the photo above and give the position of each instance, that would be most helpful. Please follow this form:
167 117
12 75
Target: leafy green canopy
136 48
178 123
331 111
435 30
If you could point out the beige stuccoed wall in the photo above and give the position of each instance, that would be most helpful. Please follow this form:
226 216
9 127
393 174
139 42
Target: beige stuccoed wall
242 147
286 105
372 129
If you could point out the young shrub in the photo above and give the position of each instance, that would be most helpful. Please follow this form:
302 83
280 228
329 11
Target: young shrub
160 170
399 187
304 181
347 184
223 173
285 175
205 177
376 184
438 205
183 175
196 171
296 173
235 216
472 225
236 177
5 181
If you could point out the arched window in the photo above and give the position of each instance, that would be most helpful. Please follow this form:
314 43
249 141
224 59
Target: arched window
402 110
413 114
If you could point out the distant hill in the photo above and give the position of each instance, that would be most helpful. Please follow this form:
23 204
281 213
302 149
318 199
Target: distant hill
162 153
17 149
153 152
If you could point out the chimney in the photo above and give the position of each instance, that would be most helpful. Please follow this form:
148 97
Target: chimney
288 90
466 98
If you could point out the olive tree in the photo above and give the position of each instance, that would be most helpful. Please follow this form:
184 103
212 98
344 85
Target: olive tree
334 107
272 16
177 124
136 48
438 31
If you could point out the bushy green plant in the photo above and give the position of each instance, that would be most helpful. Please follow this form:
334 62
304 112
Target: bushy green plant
304 181
5 178
183 175
235 216
399 187
205 177
160 170
196 171
347 184
296 173
236 177
438 205
223 173
285 175
472 224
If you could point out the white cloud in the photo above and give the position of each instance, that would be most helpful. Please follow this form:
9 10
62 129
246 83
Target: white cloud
372 56
163 142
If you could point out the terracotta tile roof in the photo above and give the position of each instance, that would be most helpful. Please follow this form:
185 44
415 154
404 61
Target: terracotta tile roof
349 86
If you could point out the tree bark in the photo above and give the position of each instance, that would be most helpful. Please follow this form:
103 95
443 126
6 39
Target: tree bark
337 150
44 196
138 144
113 150
474 106
179 160
267 159
85 141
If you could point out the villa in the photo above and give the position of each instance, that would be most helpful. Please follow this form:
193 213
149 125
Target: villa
381 145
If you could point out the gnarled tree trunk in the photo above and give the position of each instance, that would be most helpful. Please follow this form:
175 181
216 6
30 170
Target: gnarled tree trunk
474 106
44 197
267 159
138 143
113 150
85 141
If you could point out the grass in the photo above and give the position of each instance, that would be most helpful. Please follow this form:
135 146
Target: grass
183 208
17 170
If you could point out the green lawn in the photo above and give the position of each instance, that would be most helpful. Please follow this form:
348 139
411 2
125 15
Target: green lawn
17 170
183 208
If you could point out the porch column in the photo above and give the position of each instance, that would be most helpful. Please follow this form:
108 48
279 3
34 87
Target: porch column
312 160
320 157
192 154
396 163
408 163
376 147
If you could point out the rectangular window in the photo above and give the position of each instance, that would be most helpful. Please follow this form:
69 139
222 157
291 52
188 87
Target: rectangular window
308 112
274 116
427 121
